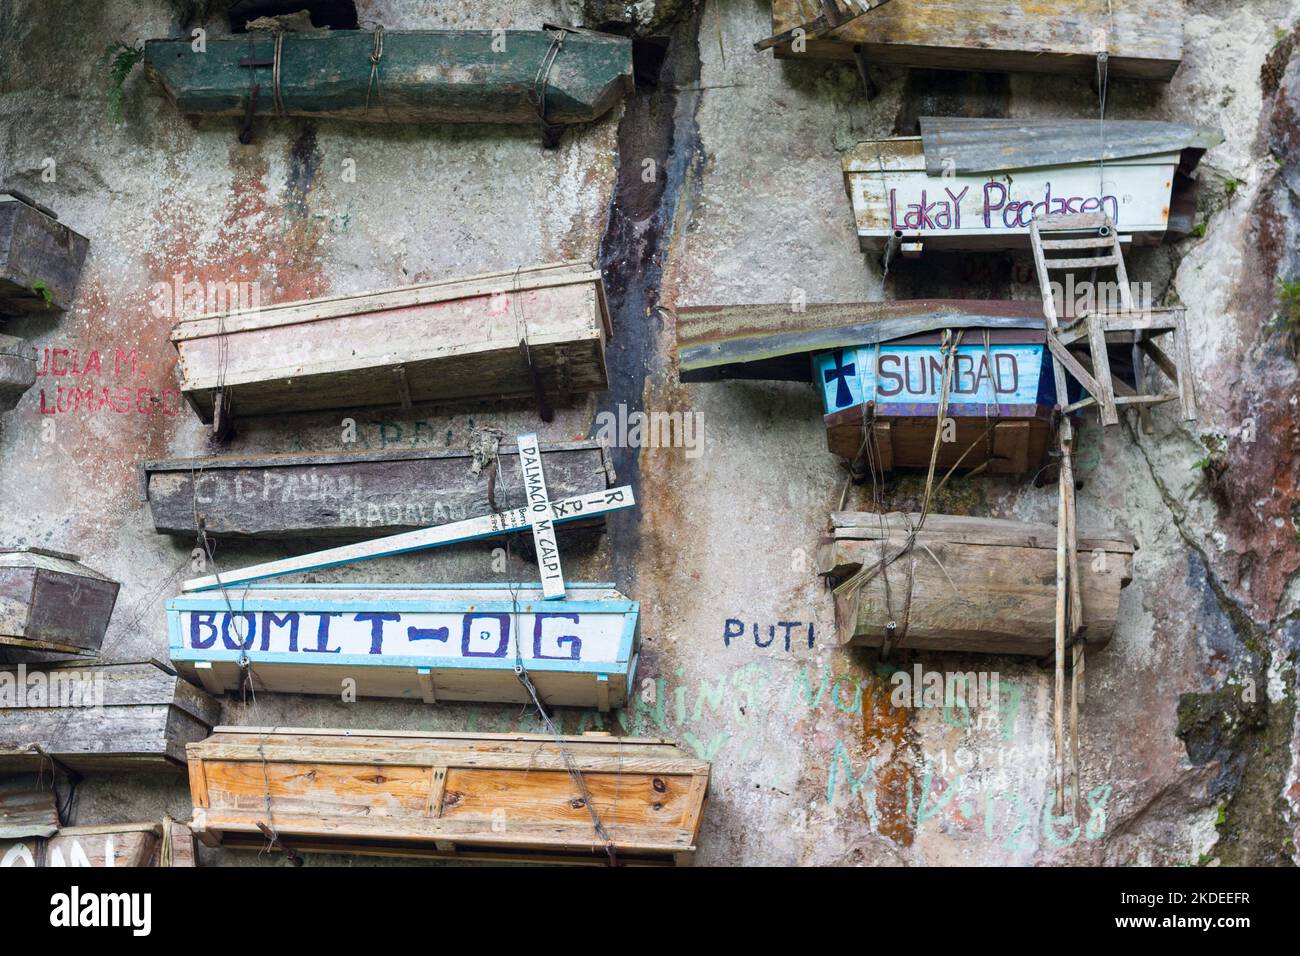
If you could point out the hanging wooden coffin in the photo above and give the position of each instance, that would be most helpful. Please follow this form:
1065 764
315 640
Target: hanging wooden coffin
117 845
418 642
467 796
88 717
979 183
506 335
354 495
40 258
968 584
557 76
1144 38
878 366
50 602
17 371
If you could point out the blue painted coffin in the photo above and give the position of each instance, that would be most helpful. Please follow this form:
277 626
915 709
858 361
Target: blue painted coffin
425 642
1001 400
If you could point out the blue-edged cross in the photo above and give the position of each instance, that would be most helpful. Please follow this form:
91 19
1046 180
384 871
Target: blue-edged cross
840 374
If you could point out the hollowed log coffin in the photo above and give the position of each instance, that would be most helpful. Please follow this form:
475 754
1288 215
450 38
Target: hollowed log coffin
50 602
968 584
40 258
87 717
416 642
469 796
354 495
504 335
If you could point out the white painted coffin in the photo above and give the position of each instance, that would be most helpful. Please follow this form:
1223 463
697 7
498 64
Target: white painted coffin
413 641
895 198
446 341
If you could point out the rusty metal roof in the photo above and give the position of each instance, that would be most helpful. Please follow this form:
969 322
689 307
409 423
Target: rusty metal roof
774 342
968 145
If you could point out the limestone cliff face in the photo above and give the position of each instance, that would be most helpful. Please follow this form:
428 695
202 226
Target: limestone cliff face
720 185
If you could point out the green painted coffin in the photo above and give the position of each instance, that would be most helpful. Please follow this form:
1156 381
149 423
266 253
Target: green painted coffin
422 76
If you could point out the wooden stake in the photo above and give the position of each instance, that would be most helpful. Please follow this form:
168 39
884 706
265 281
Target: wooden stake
1059 699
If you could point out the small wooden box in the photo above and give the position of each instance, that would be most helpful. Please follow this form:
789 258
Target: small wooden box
91 717
442 342
40 259
504 797
969 584
50 602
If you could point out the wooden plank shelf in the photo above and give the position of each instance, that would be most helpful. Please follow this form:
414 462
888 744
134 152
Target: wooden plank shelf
40 258
536 332
51 603
354 494
87 717
421 76
414 642
502 797
985 585
110 845
1144 38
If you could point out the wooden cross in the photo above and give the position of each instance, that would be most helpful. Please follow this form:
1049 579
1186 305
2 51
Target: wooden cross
541 514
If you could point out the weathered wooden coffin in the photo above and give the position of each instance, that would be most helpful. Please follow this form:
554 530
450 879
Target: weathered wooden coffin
40 258
978 183
417 642
119 845
51 602
17 371
90 717
27 809
472 796
422 76
880 363
455 340
354 495
1144 38
969 584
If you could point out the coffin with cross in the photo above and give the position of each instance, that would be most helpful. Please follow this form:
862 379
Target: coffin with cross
416 642
537 332
560 77
590 798
967 584
878 368
978 183
1144 38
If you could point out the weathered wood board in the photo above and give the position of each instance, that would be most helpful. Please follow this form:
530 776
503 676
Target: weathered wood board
27 809
469 796
894 198
1000 401
1144 38
50 602
970 584
17 371
110 845
40 259
456 340
354 495
422 76
89 717
415 642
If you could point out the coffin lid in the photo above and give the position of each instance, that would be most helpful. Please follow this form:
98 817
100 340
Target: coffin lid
994 532
446 290
773 342
140 683
44 560
971 145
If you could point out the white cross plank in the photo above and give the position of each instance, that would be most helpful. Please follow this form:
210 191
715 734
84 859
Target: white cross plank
485 526
541 515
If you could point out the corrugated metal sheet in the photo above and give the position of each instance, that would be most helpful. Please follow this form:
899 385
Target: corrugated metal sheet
773 342
969 145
